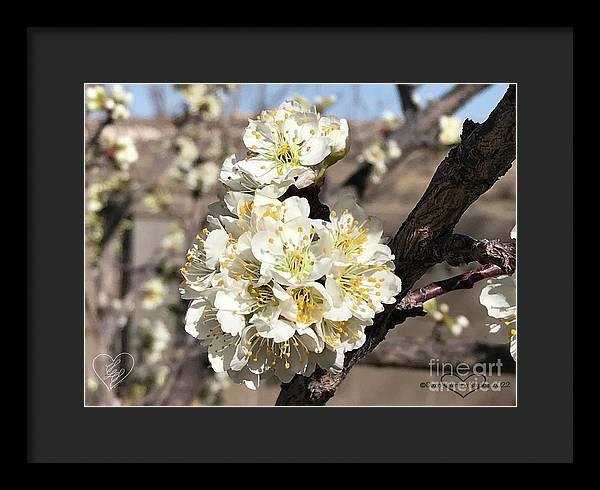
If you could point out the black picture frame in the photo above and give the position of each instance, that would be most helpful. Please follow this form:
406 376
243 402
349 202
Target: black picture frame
61 429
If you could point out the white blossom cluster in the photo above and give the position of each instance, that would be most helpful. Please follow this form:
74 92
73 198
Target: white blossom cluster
120 150
114 103
499 297
274 291
441 314
196 172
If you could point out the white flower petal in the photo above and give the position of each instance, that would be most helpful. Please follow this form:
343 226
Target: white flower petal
214 247
315 150
231 323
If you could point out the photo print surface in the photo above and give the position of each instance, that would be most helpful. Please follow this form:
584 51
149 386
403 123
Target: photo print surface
300 244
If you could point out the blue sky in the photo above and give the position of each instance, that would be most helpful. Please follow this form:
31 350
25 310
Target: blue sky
356 101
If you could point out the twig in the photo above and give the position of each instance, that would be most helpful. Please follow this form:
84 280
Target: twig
462 281
93 141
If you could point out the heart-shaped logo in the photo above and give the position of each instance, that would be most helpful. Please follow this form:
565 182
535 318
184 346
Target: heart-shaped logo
112 371
463 387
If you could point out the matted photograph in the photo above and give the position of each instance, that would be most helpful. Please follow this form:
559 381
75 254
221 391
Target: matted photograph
300 244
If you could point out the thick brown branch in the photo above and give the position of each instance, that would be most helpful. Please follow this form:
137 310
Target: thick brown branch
461 249
417 353
485 154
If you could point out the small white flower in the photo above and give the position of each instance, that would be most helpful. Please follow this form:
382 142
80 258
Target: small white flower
224 350
286 357
306 304
95 198
202 99
202 261
235 179
242 295
174 240
375 155
513 345
115 103
393 150
119 149
284 144
290 253
346 335
95 97
390 120
266 209
91 384
458 325
450 130
154 293
353 236
119 111
160 337
361 290
437 315
120 95
499 298
336 130
203 177
187 153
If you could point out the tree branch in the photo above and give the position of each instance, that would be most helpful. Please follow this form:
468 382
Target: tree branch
426 125
417 297
469 170
96 135
409 107
485 153
417 353
421 128
461 249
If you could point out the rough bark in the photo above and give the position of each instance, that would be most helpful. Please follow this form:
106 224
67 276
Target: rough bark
485 153
461 249
470 169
